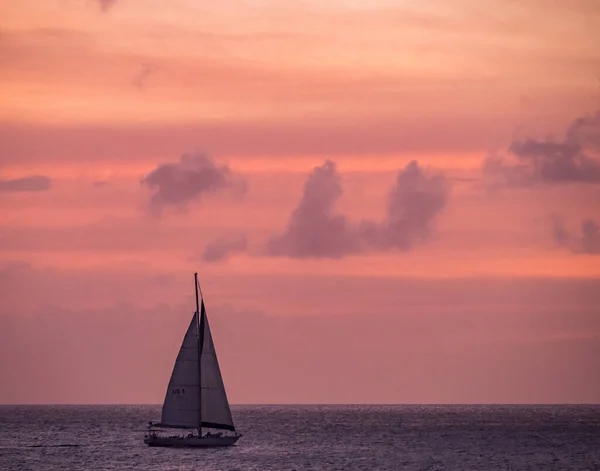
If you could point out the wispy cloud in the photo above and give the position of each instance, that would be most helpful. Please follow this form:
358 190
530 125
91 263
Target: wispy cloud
106 5
220 249
141 77
30 183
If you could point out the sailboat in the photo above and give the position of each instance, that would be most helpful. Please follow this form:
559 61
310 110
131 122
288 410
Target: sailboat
195 398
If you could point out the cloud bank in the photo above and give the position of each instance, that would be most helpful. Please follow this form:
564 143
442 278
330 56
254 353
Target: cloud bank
316 230
124 330
177 184
532 162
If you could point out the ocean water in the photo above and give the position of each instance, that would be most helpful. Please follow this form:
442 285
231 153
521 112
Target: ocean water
311 438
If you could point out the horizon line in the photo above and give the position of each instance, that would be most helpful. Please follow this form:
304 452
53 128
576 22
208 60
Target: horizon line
325 404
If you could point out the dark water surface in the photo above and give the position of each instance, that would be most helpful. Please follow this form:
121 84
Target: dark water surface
312 438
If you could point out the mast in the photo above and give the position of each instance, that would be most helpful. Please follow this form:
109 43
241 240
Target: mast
199 358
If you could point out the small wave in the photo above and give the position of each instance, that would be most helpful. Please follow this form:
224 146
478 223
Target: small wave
52 446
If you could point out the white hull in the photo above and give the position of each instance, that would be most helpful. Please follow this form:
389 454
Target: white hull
197 442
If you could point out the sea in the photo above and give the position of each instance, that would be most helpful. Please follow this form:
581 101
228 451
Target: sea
327 437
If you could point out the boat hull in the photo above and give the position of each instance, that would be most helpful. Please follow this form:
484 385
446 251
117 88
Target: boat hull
191 442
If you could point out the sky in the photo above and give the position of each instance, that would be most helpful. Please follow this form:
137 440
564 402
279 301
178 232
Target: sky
386 202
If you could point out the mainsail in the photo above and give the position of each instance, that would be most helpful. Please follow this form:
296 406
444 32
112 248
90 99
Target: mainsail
196 395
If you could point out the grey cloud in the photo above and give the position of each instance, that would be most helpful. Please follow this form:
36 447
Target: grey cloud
590 237
416 199
177 184
559 231
315 230
222 248
531 161
586 130
30 183
587 242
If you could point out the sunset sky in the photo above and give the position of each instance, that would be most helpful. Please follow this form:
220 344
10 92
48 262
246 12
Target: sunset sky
386 201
